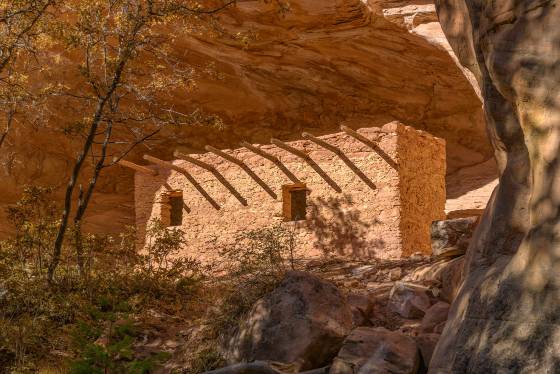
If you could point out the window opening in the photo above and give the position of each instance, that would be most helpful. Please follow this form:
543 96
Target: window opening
173 208
294 201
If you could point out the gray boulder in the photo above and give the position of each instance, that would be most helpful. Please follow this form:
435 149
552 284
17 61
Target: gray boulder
302 322
409 300
369 350
452 237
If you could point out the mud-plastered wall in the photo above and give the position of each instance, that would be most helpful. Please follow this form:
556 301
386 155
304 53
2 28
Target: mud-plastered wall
422 167
353 202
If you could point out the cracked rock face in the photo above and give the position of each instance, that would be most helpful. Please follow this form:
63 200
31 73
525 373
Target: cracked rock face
322 64
505 318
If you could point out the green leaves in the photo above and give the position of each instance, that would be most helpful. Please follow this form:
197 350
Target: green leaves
105 344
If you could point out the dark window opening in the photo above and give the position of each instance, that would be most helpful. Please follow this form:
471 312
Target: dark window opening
294 199
176 208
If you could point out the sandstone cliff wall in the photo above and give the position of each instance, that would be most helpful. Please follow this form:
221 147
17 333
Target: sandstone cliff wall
505 318
320 65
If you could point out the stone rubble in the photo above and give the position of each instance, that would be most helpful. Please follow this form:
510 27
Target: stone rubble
409 300
370 322
356 317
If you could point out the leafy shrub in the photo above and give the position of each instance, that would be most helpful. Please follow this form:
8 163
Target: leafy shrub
256 262
35 316
160 265
105 344
255 265
35 226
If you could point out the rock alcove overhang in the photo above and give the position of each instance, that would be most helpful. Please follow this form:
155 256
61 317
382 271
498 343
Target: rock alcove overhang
313 68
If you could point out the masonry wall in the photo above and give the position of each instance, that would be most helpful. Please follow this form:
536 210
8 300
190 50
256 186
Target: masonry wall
422 169
345 214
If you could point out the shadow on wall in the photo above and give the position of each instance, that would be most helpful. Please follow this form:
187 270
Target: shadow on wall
339 229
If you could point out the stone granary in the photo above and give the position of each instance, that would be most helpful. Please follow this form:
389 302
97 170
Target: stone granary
364 194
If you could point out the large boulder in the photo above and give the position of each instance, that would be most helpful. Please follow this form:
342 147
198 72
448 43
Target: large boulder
369 350
302 322
409 300
505 318
451 237
434 316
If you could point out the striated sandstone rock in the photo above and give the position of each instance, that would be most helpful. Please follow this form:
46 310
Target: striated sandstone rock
376 351
451 279
505 318
469 188
302 322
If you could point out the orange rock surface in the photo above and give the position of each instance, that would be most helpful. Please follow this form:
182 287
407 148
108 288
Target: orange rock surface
313 68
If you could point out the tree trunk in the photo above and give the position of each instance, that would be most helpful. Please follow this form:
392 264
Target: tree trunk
78 167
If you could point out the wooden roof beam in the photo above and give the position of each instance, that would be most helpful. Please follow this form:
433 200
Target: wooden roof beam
190 178
342 156
139 168
275 160
289 148
164 164
370 144
243 166
214 171
309 160
224 155
192 160
322 143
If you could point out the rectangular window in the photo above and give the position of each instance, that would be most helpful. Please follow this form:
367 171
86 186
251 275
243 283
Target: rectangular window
176 203
294 201
172 208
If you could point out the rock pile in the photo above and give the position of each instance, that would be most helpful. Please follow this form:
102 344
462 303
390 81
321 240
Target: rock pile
384 316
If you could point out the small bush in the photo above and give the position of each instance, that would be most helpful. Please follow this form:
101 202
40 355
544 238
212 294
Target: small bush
105 344
256 262
255 265
36 317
